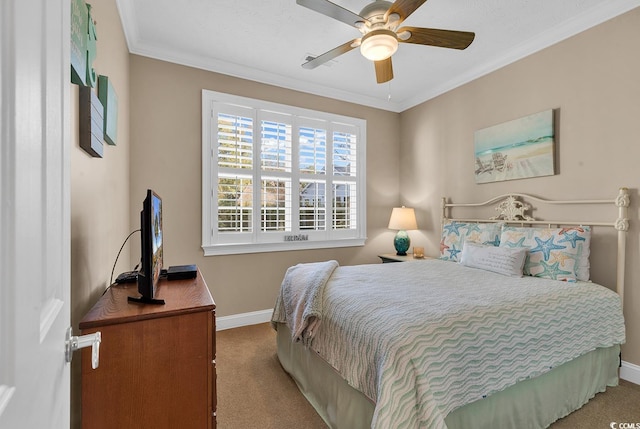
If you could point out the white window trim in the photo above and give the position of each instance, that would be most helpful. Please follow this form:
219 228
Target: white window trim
335 240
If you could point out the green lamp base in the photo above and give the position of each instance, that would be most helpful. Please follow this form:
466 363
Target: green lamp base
401 243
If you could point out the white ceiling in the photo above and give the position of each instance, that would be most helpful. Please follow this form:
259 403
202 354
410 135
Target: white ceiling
268 40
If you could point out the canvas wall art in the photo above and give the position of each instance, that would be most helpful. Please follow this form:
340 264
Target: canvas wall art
517 149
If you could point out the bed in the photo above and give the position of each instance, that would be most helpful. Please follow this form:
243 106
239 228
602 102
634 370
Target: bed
503 330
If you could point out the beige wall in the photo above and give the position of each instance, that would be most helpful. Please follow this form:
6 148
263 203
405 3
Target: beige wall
592 81
166 157
99 187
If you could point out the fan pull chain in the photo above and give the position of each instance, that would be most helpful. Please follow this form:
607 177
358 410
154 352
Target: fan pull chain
389 91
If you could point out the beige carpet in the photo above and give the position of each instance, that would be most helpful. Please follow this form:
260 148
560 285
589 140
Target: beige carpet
255 392
253 389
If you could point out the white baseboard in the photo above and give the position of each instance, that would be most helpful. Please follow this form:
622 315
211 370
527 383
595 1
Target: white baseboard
630 372
243 319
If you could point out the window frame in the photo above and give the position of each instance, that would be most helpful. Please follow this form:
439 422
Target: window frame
276 241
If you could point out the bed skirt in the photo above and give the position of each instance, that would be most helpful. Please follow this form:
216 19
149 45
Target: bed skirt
555 394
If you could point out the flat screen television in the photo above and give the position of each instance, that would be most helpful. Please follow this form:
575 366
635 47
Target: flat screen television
151 249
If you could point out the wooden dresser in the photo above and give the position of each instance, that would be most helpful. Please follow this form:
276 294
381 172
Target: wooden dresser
157 362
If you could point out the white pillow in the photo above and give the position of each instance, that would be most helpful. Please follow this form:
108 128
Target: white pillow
502 260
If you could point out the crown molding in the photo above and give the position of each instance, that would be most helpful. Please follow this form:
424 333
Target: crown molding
595 16
256 75
576 25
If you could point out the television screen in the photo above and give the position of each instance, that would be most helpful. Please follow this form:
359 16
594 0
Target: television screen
156 236
151 249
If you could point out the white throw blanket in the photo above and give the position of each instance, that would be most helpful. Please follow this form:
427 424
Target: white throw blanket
299 303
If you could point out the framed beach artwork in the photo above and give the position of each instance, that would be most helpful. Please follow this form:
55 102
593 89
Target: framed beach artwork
516 149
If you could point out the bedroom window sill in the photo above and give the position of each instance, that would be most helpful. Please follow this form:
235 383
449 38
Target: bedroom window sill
237 249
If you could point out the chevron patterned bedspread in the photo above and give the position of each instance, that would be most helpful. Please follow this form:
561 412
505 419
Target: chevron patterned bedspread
422 339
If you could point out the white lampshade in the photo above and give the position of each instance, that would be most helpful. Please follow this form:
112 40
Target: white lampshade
378 45
403 218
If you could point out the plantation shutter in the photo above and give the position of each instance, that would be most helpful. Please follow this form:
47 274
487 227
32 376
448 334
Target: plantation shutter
281 178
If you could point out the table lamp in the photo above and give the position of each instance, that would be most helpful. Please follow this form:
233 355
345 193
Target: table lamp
402 219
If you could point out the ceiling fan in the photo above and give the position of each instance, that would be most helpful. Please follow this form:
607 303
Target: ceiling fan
378 22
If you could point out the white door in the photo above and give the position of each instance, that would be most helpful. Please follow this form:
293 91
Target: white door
34 213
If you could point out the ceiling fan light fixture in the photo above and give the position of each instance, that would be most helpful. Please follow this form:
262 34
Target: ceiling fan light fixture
379 45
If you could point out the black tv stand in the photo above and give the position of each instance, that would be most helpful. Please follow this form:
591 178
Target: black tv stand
143 300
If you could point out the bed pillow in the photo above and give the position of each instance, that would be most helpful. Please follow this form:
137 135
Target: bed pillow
454 235
583 267
554 253
508 261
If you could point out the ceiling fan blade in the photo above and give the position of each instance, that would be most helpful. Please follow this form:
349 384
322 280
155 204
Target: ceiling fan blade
403 8
384 70
434 37
332 10
329 55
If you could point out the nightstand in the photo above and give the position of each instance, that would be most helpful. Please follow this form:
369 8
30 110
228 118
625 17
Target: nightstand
392 257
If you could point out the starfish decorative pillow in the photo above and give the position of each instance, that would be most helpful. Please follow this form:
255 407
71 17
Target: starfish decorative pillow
554 253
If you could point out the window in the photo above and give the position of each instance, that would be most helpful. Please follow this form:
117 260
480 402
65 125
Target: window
277 177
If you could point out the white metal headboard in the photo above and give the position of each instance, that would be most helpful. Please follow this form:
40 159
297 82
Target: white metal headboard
512 210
